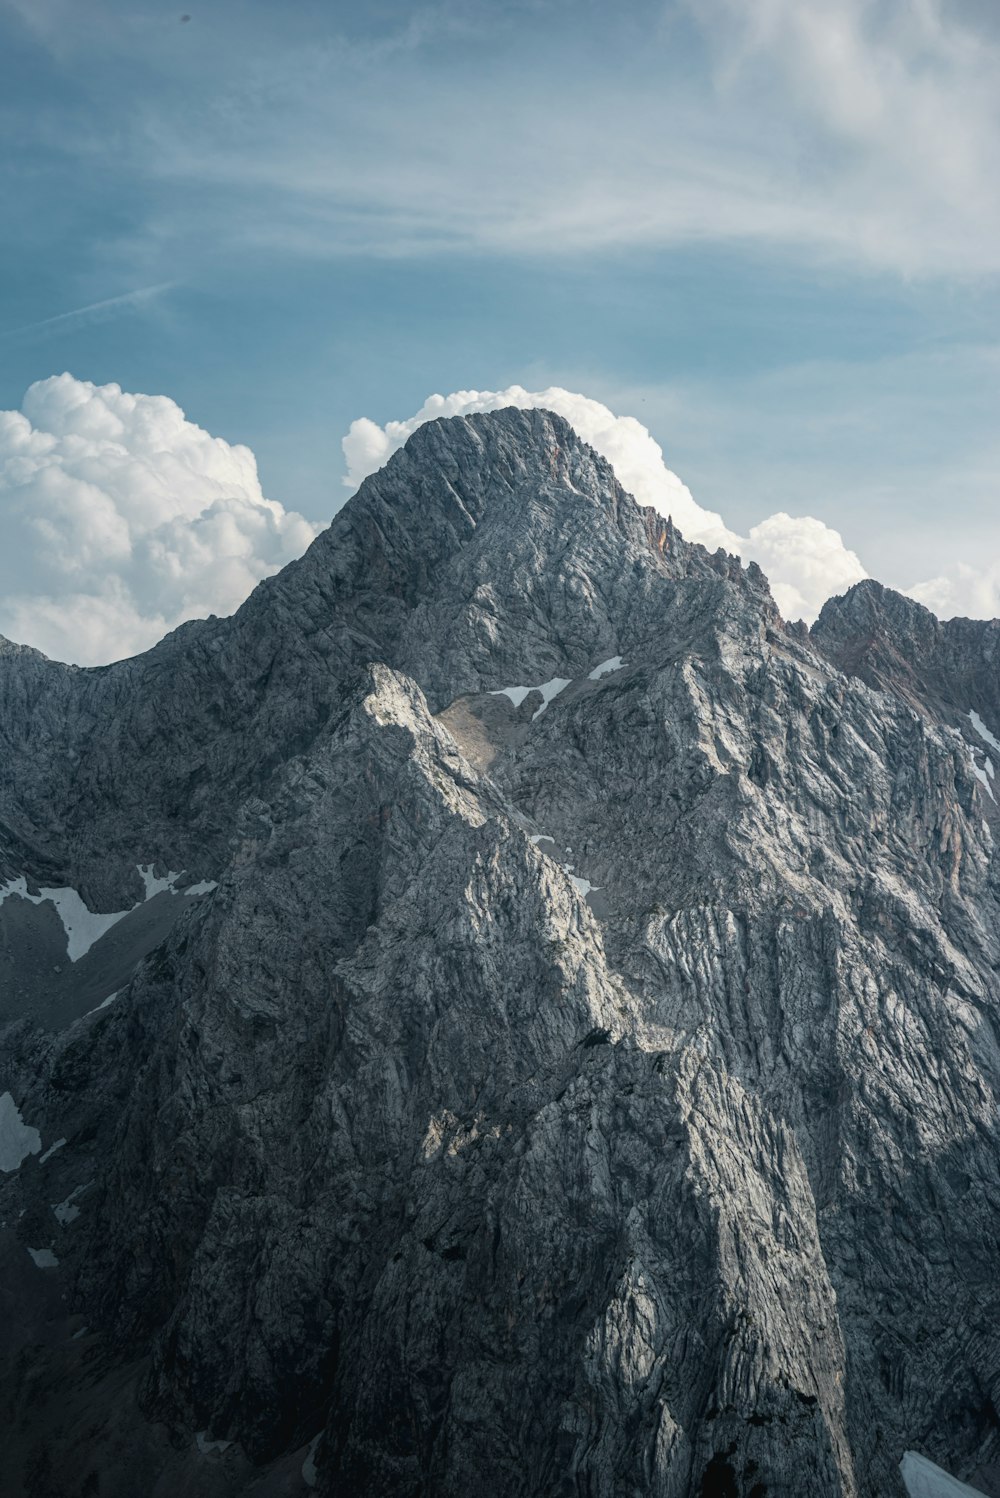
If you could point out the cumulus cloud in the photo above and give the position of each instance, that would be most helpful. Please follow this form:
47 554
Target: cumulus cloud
630 449
122 519
973 592
805 560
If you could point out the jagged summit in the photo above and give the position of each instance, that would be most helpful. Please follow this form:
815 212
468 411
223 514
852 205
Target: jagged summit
509 444
502 1010
491 548
945 668
870 609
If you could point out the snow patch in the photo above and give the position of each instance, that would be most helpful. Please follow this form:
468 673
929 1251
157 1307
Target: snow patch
310 1476
981 775
44 1258
67 1211
516 694
167 883
983 731
84 926
613 663
549 690
17 1139
922 1479
104 1003
51 1150
205 1444
154 885
582 886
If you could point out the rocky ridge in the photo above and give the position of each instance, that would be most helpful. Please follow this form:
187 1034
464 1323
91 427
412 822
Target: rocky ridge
578 1070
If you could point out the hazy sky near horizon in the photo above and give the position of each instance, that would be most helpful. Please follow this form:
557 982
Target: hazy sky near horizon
769 231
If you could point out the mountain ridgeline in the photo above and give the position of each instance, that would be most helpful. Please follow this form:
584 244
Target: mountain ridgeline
504 1012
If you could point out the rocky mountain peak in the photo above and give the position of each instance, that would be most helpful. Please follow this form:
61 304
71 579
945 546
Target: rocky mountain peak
870 616
509 445
944 669
503 1009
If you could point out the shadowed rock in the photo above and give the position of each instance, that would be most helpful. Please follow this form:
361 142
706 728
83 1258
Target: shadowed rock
584 1077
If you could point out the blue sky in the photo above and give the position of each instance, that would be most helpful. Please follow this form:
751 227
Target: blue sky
770 232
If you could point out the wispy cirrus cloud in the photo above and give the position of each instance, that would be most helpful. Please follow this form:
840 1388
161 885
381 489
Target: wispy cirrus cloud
93 312
777 224
865 132
895 111
862 133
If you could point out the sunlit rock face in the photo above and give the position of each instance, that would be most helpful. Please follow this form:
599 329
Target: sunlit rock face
547 1039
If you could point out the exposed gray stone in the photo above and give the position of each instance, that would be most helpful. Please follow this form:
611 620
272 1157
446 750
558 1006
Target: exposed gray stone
600 1100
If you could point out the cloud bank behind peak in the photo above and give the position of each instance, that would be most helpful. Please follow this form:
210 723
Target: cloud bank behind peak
805 560
122 518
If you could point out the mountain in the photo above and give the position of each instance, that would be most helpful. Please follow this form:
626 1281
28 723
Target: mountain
543 1032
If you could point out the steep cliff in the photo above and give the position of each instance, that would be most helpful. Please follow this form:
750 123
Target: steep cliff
555 1037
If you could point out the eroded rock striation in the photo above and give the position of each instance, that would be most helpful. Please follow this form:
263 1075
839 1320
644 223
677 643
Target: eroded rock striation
549 1043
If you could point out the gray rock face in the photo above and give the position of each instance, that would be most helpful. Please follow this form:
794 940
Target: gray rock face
583 1078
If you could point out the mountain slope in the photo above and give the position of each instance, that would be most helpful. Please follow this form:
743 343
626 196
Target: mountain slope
583 1077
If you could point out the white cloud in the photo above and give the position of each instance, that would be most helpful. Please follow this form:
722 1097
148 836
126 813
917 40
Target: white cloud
894 108
630 449
971 592
822 132
805 561
863 130
122 519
